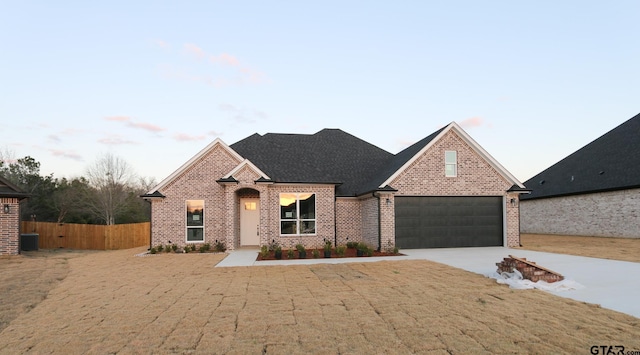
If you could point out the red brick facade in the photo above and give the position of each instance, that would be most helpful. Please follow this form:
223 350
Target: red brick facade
368 218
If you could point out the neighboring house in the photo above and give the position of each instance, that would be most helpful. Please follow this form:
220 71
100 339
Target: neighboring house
443 191
10 196
592 192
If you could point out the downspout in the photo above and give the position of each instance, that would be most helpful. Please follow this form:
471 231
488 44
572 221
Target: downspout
150 223
335 219
379 221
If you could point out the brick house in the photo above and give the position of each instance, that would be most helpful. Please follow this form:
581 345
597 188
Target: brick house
443 191
593 192
10 197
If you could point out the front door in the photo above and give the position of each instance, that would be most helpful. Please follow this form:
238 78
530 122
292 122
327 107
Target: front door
249 221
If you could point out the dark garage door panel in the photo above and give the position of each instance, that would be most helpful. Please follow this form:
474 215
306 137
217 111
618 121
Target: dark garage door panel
448 221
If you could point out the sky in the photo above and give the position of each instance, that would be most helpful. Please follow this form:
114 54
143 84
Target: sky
154 82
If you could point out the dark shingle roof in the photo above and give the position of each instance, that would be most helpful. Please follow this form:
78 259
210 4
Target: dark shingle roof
328 156
397 161
611 162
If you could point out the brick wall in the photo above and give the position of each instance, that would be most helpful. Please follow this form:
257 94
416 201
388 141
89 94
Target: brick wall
370 226
10 227
475 177
196 183
604 214
348 220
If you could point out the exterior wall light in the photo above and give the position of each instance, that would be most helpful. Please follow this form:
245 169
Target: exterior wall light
6 208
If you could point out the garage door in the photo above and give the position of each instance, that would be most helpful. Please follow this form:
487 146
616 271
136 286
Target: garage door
448 222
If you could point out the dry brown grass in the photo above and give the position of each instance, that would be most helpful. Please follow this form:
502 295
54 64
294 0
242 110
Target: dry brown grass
624 249
113 302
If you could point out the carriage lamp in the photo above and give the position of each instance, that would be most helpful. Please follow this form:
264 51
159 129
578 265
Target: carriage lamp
6 208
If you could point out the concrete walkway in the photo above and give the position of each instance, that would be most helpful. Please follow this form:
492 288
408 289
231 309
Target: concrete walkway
612 284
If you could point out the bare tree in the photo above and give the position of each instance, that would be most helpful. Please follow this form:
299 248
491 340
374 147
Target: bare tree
110 178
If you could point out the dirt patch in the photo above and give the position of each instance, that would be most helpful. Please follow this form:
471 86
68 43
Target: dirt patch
624 249
26 280
114 302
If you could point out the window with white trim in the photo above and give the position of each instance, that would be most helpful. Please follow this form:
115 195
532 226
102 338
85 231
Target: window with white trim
195 221
297 214
450 163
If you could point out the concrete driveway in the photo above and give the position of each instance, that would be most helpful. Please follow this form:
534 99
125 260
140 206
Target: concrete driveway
610 283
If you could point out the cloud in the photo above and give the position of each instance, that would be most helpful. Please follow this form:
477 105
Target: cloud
172 73
160 43
138 125
194 50
146 127
54 138
116 140
242 115
473 122
215 133
243 73
118 118
66 154
226 59
183 137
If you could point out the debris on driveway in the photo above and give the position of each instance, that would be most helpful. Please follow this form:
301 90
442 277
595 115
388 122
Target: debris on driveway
528 269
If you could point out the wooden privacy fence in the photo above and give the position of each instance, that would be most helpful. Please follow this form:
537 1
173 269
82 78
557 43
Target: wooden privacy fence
88 236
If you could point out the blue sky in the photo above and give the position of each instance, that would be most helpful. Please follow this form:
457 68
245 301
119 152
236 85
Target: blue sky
155 82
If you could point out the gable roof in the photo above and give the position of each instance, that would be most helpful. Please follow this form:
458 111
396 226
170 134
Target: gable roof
329 156
406 157
611 162
8 189
217 142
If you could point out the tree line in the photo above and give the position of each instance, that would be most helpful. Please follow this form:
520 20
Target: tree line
108 194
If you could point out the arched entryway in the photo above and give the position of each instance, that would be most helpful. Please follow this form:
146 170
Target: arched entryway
249 216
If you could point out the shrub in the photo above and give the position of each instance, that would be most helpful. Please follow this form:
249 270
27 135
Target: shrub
300 247
290 254
363 249
188 248
327 245
274 245
174 247
341 250
220 246
264 251
316 253
205 247
352 245
169 248
362 246
396 250
160 248
153 250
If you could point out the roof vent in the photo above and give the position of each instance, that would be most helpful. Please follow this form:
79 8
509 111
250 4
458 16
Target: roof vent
572 178
541 182
601 172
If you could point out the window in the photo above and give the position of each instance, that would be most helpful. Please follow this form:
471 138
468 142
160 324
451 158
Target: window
297 214
195 221
450 163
